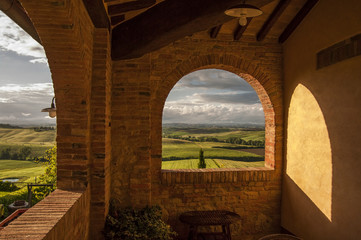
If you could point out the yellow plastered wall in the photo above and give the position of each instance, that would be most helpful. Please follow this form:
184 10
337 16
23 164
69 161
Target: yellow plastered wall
321 187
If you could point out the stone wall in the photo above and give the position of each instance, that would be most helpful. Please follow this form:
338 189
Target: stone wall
140 88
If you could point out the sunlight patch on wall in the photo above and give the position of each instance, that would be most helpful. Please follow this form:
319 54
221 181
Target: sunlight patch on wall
309 158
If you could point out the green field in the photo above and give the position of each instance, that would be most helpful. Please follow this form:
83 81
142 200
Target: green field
17 138
220 133
26 136
23 170
182 154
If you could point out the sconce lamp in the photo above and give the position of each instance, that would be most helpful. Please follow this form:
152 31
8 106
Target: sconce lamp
51 110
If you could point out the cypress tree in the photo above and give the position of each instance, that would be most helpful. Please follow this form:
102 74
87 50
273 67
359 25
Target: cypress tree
202 162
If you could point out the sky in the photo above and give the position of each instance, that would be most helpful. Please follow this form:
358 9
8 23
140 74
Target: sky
213 96
25 80
209 96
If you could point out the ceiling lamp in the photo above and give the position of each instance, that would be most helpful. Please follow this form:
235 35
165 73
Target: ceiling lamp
243 11
51 110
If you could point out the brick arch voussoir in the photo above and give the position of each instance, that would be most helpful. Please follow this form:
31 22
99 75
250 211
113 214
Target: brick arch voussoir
226 62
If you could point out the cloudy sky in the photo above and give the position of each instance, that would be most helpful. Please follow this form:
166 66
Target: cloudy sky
205 96
213 96
25 81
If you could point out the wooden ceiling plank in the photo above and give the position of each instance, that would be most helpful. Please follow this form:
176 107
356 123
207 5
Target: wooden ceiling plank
117 19
167 22
297 20
281 6
214 31
240 30
129 6
97 13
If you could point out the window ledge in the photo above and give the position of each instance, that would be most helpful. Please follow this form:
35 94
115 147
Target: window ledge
219 175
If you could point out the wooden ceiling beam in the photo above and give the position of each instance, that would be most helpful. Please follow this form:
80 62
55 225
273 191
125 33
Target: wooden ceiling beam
297 20
129 6
214 31
240 30
16 12
281 6
167 22
117 19
97 13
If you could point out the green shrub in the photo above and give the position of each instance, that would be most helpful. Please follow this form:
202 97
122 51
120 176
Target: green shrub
131 224
8 187
49 177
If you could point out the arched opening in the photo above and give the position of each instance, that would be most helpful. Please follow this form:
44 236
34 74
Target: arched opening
270 96
216 112
27 136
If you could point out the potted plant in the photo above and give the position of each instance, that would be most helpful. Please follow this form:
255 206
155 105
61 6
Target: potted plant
133 224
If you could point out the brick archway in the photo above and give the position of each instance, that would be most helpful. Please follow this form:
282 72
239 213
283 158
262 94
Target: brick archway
269 94
79 60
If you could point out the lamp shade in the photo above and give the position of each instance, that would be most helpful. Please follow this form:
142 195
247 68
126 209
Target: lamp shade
51 110
243 11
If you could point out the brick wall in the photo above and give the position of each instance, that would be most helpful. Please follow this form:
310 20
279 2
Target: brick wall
109 117
62 215
140 88
66 33
99 130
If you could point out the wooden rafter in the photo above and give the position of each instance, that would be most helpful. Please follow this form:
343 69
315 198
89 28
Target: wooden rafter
240 30
272 19
129 6
214 31
117 19
16 12
297 20
167 22
97 13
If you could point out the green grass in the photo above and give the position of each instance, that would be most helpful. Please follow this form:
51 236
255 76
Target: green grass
23 170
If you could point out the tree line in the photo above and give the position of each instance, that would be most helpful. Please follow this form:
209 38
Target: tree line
22 153
233 140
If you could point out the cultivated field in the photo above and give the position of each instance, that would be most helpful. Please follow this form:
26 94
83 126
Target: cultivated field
181 148
26 136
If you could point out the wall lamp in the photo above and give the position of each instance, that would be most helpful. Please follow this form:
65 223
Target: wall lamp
51 110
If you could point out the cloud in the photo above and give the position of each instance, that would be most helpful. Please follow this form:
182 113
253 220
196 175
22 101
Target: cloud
213 96
214 78
234 98
22 103
213 113
13 38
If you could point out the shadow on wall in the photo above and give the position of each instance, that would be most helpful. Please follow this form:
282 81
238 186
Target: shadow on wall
298 201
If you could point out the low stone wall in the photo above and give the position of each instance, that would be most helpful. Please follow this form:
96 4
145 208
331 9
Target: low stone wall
254 194
62 215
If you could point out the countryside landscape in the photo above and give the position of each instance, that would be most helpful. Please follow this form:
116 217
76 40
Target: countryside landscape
23 160
222 146
24 153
